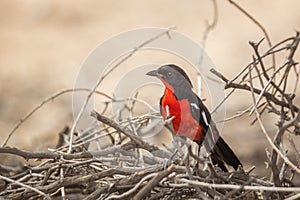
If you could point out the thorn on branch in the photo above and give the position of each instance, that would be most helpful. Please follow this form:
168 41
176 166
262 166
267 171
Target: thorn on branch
218 74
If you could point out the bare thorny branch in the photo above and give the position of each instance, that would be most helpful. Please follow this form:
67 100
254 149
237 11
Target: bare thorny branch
112 172
283 105
99 165
106 73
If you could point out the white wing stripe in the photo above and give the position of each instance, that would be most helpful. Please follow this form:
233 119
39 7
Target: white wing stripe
204 118
168 111
195 106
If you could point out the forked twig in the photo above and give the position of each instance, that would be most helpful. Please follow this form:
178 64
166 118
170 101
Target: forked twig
102 77
25 186
41 104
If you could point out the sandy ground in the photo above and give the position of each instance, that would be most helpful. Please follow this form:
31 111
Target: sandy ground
43 44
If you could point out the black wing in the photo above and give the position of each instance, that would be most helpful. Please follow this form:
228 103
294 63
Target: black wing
199 111
221 153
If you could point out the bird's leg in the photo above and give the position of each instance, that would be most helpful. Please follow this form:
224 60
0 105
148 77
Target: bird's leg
196 167
197 157
178 143
208 143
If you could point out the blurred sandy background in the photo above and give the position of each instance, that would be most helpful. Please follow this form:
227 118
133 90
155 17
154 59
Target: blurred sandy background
43 43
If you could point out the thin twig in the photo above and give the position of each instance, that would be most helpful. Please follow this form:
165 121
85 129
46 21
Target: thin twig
25 186
116 126
105 74
265 94
47 100
152 183
258 24
268 137
125 194
239 187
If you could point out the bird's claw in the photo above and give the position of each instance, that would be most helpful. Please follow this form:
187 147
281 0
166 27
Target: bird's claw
166 163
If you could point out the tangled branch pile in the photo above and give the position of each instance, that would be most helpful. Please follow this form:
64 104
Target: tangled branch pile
131 168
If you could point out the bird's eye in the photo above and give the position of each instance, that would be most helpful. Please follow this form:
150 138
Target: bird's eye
169 74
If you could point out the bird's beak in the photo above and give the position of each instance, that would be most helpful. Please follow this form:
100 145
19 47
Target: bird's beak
154 73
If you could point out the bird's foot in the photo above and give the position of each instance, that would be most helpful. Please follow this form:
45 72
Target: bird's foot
167 163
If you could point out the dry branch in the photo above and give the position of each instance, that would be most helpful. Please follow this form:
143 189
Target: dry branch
131 168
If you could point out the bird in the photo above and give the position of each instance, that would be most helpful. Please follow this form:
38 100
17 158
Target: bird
190 117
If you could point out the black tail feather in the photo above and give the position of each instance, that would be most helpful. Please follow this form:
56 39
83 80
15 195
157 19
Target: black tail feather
222 154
